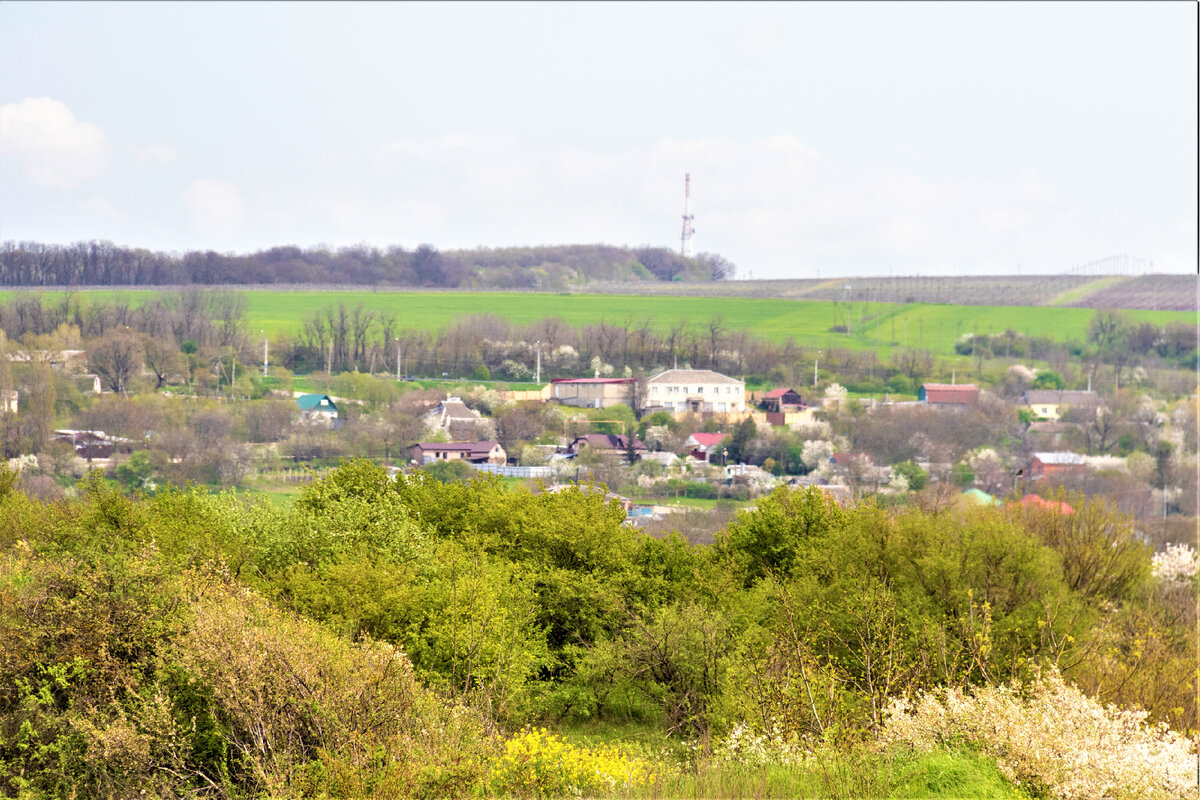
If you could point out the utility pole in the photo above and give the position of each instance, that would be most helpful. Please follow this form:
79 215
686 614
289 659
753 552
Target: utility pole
537 376
265 352
816 361
686 248
397 358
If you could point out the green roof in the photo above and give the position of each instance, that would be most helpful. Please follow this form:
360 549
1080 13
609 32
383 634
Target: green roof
981 497
315 402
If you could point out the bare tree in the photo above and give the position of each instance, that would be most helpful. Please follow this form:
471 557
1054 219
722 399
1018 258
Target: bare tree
116 358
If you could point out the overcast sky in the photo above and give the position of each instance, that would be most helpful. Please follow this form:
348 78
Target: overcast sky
830 139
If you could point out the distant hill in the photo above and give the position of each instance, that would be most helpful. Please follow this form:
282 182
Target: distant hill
553 268
591 268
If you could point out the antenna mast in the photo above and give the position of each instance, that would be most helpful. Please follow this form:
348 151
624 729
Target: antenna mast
685 241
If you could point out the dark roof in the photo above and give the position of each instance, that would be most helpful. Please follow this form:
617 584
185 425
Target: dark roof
607 441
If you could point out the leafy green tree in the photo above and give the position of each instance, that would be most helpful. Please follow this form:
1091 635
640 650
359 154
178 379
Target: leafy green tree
1049 380
447 471
914 473
136 471
739 443
962 475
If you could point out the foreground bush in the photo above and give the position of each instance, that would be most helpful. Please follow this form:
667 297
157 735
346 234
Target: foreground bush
309 713
1053 739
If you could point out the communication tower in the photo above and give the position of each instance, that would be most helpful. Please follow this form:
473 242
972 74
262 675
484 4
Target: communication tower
685 241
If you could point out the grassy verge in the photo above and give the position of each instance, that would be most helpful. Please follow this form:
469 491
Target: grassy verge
846 774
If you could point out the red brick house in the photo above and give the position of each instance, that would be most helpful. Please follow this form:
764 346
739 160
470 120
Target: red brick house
1055 465
952 395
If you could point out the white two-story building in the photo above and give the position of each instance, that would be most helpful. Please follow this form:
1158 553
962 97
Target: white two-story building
695 391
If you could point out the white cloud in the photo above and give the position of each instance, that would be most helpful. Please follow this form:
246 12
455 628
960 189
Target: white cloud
215 207
156 154
102 207
54 148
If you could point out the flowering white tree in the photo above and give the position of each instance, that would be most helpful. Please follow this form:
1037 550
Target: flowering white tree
1053 738
1176 564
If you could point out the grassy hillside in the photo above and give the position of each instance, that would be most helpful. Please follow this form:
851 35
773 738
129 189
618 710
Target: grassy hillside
878 326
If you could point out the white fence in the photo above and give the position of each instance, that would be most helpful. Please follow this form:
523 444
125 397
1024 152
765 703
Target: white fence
517 472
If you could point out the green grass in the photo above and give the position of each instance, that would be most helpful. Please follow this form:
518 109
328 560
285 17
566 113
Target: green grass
856 773
702 503
281 495
876 326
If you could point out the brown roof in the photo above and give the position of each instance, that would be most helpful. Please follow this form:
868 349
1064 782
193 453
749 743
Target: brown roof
962 393
606 441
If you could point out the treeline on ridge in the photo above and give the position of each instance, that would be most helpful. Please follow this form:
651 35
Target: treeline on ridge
102 263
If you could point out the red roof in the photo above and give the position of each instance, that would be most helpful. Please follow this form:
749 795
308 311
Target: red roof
950 392
708 439
777 392
1037 500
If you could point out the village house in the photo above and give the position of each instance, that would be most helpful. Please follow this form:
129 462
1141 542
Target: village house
785 407
93 445
609 444
317 410
1051 404
592 392
59 360
9 400
453 418
948 395
484 452
1043 466
706 446
695 391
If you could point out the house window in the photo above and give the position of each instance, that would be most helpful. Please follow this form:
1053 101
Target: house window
699 390
721 406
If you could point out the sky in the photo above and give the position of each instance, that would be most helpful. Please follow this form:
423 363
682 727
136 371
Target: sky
822 139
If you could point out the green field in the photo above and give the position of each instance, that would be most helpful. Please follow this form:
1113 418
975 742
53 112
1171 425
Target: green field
877 326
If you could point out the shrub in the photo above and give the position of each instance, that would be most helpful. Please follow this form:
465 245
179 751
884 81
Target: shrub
1052 738
537 763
